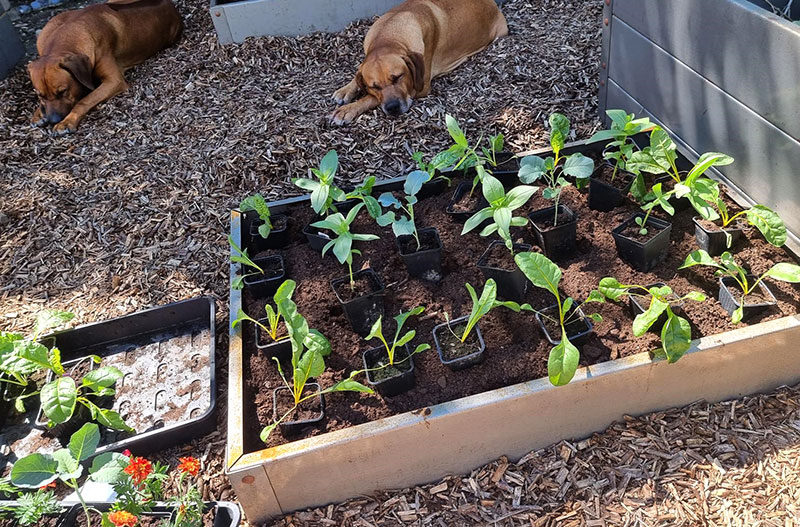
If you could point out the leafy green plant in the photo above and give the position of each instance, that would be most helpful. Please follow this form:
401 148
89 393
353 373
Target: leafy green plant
188 502
403 225
257 203
767 221
309 349
32 506
621 148
240 256
657 199
437 164
377 333
324 192
468 156
564 356
727 266
363 192
501 209
273 319
551 170
483 305
676 334
342 244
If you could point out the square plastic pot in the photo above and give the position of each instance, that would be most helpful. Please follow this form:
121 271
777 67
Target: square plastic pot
463 189
363 311
466 361
638 307
606 197
578 329
281 350
425 264
557 242
295 428
730 298
278 237
396 384
647 255
317 239
264 286
511 283
714 242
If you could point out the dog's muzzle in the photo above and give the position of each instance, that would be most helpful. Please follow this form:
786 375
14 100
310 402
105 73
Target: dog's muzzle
54 118
397 107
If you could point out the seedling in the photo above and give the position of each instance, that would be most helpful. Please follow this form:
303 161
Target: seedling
483 305
273 318
564 357
403 225
309 348
676 334
398 342
439 162
783 272
621 148
551 170
324 191
659 199
343 243
363 192
763 218
501 209
240 256
468 156
31 506
257 203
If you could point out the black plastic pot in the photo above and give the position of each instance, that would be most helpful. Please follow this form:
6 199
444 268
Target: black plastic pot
578 329
556 242
507 169
281 350
465 361
714 242
396 384
463 189
261 285
294 428
363 311
511 283
637 308
317 239
643 256
604 196
437 185
278 237
730 296
226 514
427 263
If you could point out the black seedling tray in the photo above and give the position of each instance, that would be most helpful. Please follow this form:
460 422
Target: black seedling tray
168 393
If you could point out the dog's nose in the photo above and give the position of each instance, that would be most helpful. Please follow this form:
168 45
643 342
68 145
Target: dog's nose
54 118
393 107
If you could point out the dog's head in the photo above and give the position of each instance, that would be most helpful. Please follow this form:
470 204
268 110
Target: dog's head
392 77
60 82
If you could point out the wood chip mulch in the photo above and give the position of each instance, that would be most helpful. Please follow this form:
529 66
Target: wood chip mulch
735 463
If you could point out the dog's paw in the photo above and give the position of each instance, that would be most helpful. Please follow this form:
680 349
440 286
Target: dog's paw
38 123
67 126
344 115
344 94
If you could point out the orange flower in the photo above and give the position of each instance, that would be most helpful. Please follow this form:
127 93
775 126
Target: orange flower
122 519
189 464
139 468
50 485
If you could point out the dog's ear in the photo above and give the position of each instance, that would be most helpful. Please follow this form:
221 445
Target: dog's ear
80 68
416 64
360 81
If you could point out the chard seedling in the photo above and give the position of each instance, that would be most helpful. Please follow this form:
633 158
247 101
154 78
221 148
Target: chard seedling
621 148
239 256
564 356
257 203
766 220
403 225
676 334
377 333
727 266
658 199
501 209
286 289
309 348
659 158
483 305
343 243
324 191
551 170
468 156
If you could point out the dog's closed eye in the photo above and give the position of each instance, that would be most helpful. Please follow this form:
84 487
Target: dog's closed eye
396 78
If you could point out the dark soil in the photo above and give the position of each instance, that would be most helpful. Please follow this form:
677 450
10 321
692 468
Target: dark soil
500 257
427 241
516 351
362 286
574 326
605 173
47 521
279 222
273 268
468 202
453 348
633 232
308 410
713 226
398 368
754 297
548 223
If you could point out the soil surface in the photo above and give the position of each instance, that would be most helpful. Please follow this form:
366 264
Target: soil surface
500 257
264 338
712 226
516 351
575 325
272 267
306 411
468 202
548 222
605 173
362 286
427 241
633 232
402 364
453 348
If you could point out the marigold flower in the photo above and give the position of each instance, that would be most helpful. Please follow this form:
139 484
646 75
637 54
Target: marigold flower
189 465
50 485
122 519
138 469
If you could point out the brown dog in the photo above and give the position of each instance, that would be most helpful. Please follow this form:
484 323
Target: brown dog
412 44
84 53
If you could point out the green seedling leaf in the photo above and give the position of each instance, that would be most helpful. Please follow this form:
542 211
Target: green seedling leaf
83 443
266 431
562 362
58 399
329 164
596 296
414 182
676 336
559 131
372 206
319 198
696 296
34 471
349 385
540 271
531 168
112 419
578 166
706 161
612 289
50 319
768 223
737 315
785 272
699 257
596 317
103 377
108 467
306 184
68 466
644 320
455 131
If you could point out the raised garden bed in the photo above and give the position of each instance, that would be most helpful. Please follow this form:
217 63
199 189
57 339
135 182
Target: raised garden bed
502 405
167 393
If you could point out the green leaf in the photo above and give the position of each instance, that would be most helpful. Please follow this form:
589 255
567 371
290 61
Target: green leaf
579 166
769 223
531 168
58 399
643 321
257 203
455 131
265 230
108 467
103 377
563 361
492 189
596 296
387 199
405 339
502 218
476 219
519 196
306 184
112 419
266 431
696 296
612 289
596 317
34 471
316 342
559 131
414 182
376 330
403 227
341 248
349 385
785 272
34 352
373 207
706 161
68 466
737 315
319 198
676 336
310 365
51 319
699 257
329 163
83 443
540 271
